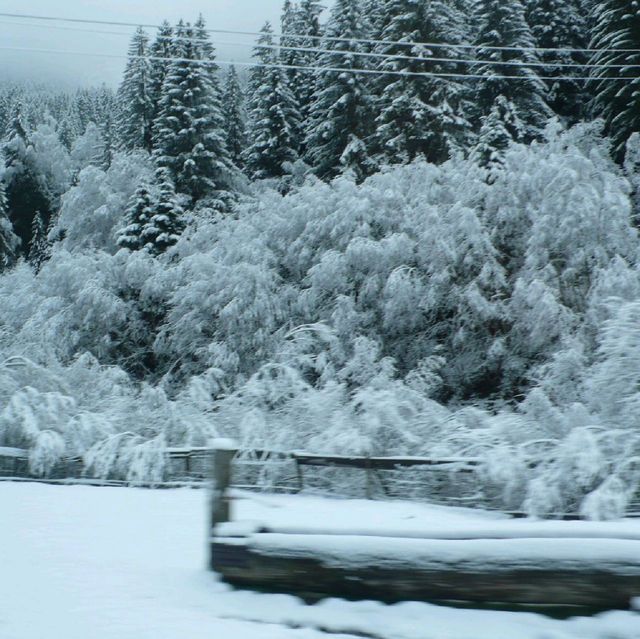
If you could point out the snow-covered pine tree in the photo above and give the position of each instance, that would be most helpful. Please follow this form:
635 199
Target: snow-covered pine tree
420 116
617 27
274 117
39 248
69 127
188 133
290 26
559 24
106 109
26 188
160 52
108 136
235 118
138 215
377 15
498 129
341 113
503 24
9 241
135 117
307 26
166 222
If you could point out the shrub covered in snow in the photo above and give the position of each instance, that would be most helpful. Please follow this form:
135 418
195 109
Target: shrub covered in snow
428 310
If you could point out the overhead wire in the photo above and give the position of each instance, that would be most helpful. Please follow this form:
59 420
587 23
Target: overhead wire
323 69
383 56
327 38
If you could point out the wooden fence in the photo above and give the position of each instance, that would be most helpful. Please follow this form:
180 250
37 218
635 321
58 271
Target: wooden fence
194 466
474 567
446 481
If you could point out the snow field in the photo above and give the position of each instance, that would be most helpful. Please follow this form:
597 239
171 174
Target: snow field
108 563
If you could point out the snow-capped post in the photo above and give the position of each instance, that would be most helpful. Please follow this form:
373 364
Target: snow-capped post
224 450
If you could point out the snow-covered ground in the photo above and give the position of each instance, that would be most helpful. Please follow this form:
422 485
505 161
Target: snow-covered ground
101 563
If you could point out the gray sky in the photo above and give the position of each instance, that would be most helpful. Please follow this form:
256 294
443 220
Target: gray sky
241 15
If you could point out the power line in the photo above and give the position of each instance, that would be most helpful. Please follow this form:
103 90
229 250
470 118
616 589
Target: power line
433 45
322 69
383 56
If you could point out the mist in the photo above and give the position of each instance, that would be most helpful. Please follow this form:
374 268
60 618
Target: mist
70 54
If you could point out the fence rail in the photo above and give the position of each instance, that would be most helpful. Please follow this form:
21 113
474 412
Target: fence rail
446 481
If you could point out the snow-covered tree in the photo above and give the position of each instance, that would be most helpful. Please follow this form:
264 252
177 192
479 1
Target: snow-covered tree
9 241
165 223
342 111
274 118
138 216
160 52
235 117
188 133
305 23
88 149
39 249
503 24
420 115
557 25
27 191
92 210
135 117
617 33
498 130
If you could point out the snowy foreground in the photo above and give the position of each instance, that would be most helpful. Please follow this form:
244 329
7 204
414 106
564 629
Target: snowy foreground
80 562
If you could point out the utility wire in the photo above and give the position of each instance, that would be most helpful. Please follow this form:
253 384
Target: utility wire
434 45
323 69
383 56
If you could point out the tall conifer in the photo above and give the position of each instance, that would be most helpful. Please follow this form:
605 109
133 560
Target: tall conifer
557 25
274 118
188 134
505 37
9 241
235 117
134 97
341 113
617 27
424 115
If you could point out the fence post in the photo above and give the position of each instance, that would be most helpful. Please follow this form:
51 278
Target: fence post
299 475
368 471
224 450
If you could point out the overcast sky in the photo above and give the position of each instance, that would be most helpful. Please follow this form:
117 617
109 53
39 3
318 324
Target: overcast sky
241 15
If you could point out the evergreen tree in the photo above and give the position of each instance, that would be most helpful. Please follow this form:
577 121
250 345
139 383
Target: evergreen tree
290 28
134 97
108 136
166 222
160 52
503 24
274 118
378 15
559 24
39 248
305 24
188 133
617 27
341 111
499 128
139 213
27 191
9 241
69 127
420 116
234 117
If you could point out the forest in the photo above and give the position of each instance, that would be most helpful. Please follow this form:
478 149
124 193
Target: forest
410 227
